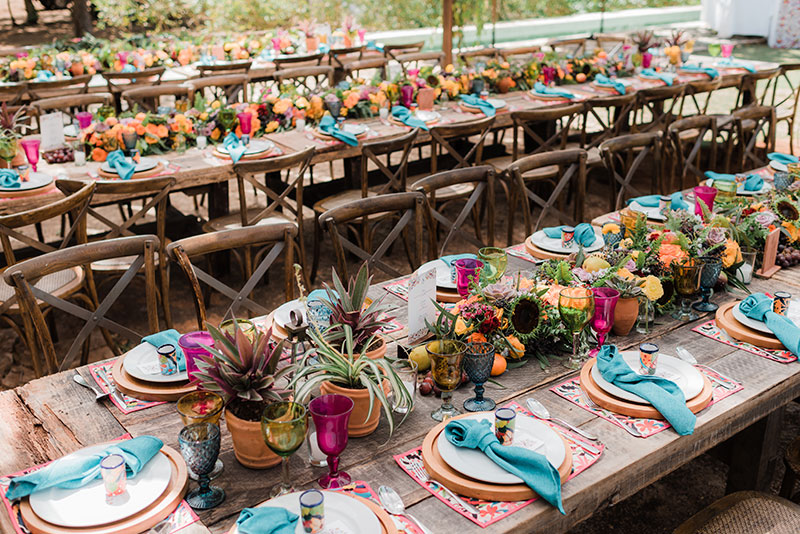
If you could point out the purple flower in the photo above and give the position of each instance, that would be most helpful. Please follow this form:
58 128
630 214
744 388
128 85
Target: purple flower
765 218
631 265
716 236
583 275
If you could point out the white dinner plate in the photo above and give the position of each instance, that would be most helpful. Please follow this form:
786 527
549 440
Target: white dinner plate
36 180
256 146
86 506
339 509
550 244
528 433
427 116
654 214
686 376
444 273
740 190
778 166
496 102
792 313
141 362
145 164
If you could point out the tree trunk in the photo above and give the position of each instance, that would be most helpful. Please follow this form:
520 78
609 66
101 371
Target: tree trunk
32 17
81 18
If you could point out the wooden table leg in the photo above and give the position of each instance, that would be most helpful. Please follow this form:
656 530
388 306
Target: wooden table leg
218 207
352 172
754 453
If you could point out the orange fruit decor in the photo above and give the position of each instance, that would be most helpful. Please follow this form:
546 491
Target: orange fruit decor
499 365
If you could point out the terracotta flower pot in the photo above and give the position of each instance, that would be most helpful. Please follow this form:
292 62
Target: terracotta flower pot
379 351
625 314
359 426
311 44
504 84
248 443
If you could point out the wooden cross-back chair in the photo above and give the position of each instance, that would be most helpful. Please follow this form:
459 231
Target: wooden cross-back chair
414 60
561 117
271 240
76 85
66 284
652 101
786 107
230 87
149 98
750 86
118 82
481 180
233 67
353 69
392 51
25 275
14 94
686 138
693 90
311 79
480 55
520 52
409 213
750 125
570 166
298 60
623 157
444 135
617 118
69 105
574 47
610 43
339 57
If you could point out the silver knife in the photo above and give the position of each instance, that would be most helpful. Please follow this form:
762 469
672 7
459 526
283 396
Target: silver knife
113 389
583 445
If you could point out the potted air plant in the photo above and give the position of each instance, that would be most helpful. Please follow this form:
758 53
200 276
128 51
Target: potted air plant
352 373
627 309
309 29
349 308
244 374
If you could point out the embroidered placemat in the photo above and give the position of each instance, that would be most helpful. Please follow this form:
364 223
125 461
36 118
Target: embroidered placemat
711 330
101 372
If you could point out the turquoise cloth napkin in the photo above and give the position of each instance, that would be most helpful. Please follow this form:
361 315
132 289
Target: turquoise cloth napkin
453 257
753 182
170 337
9 179
125 167
733 64
403 114
44 76
328 125
476 102
234 146
76 471
783 158
709 71
652 201
663 394
663 76
528 465
542 89
605 81
758 306
267 520
584 233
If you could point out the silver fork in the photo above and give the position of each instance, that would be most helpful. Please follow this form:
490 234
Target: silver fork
112 389
425 477
631 430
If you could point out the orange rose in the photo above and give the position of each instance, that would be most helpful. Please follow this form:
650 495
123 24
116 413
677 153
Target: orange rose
162 131
670 253
98 154
140 130
476 337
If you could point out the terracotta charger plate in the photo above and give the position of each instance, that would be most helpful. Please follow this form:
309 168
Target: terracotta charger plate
149 391
278 332
463 485
140 522
632 409
727 322
327 137
540 254
247 157
144 174
447 295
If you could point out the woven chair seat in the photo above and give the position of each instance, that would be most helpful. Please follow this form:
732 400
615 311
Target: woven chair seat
745 512
345 197
59 284
234 220
447 193
119 264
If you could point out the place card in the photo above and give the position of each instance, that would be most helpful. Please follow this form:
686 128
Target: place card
421 304
51 125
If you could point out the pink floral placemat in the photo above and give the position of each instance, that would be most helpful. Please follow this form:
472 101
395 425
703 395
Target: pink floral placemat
490 512
182 517
365 491
519 251
571 390
101 372
399 288
711 330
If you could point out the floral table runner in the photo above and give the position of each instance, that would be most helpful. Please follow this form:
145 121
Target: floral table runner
711 330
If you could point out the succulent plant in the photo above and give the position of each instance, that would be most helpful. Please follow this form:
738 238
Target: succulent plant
645 40
628 288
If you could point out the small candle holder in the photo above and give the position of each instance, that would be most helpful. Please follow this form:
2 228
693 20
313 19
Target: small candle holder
115 476
780 302
312 511
648 358
505 420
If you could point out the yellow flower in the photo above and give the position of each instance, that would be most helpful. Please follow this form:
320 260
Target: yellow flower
794 233
449 68
652 287
732 254
215 104
611 228
461 327
271 126
281 106
626 243
625 273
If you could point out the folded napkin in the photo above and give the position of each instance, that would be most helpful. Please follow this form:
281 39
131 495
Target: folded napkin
663 76
76 471
234 146
9 179
328 125
709 71
663 394
453 257
476 102
44 76
532 467
129 68
652 201
758 306
124 166
170 337
584 233
731 63
605 81
542 89
753 182
783 158
403 114
267 520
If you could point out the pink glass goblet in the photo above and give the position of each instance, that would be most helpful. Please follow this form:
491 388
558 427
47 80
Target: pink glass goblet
467 270
31 148
84 119
246 124
704 194
727 49
192 346
605 300
331 413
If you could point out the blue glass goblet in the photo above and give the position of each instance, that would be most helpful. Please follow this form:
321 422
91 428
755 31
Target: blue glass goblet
478 363
708 279
199 445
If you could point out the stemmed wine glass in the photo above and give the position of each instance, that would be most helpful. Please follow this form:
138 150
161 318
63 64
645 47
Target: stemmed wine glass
447 356
605 301
687 282
714 49
202 407
283 426
708 279
199 444
331 413
246 124
576 307
129 138
227 118
31 148
478 365
495 261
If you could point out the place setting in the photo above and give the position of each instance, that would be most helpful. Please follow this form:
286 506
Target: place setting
482 103
739 184
542 92
558 242
657 207
27 179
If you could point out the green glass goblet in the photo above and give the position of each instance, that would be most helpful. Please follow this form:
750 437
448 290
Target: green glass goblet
283 426
447 357
494 261
576 307
687 282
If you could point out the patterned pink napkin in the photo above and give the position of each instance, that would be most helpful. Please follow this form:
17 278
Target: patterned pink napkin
493 511
710 329
103 370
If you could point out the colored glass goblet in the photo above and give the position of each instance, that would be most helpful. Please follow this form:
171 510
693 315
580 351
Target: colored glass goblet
478 365
84 119
246 125
706 195
576 307
467 270
712 267
495 261
605 301
687 281
192 346
331 413
283 426
129 139
31 148
447 357
714 49
199 444
202 407
726 49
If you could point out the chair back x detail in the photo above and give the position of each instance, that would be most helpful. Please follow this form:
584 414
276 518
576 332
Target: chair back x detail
623 156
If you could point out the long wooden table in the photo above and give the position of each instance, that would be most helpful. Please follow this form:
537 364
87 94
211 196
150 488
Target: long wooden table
52 416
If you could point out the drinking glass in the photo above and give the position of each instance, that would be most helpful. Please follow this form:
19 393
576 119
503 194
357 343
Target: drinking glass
283 426
726 49
687 281
227 118
630 219
726 188
714 49
115 476
129 138
494 261
447 357
704 194
192 346
31 148
467 270
199 444
407 372
331 413
605 301
84 119
478 363
202 407
247 327
708 279
576 307
246 124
